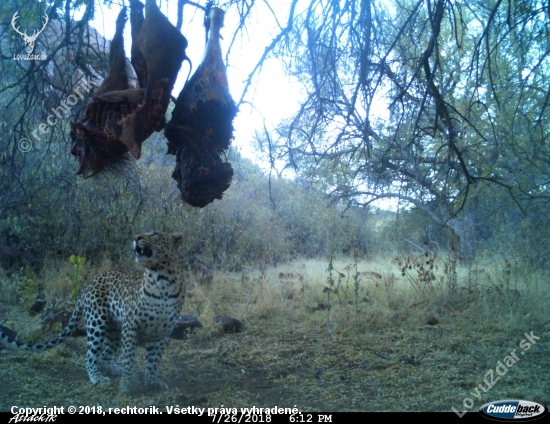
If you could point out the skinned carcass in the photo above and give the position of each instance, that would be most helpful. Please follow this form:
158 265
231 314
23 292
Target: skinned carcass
92 144
201 129
119 118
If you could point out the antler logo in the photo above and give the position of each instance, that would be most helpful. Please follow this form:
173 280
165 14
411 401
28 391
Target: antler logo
29 39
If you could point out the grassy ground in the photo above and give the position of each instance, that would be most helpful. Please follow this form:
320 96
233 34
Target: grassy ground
422 341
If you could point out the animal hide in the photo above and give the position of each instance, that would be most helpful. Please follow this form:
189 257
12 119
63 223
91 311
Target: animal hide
137 59
201 129
119 119
163 50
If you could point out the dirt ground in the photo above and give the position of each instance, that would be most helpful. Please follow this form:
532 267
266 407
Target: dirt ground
406 365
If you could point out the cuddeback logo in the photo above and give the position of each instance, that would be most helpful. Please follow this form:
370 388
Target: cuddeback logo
28 39
517 410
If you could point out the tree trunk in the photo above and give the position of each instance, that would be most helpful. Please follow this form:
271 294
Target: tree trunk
464 230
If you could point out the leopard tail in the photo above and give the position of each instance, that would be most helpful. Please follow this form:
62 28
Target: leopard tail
60 338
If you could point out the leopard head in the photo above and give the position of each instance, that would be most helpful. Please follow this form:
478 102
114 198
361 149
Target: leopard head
157 249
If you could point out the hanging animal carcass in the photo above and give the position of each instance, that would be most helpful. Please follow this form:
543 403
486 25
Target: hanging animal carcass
201 129
120 118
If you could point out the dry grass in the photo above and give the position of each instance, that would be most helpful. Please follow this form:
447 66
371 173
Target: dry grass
370 351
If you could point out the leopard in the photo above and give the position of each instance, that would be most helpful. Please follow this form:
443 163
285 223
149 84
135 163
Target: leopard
125 309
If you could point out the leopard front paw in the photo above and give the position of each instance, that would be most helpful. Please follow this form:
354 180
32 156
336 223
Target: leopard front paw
98 378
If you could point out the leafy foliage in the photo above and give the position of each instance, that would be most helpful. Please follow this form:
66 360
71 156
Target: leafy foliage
439 105
429 102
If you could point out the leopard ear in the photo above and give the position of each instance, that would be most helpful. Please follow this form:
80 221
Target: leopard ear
178 238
